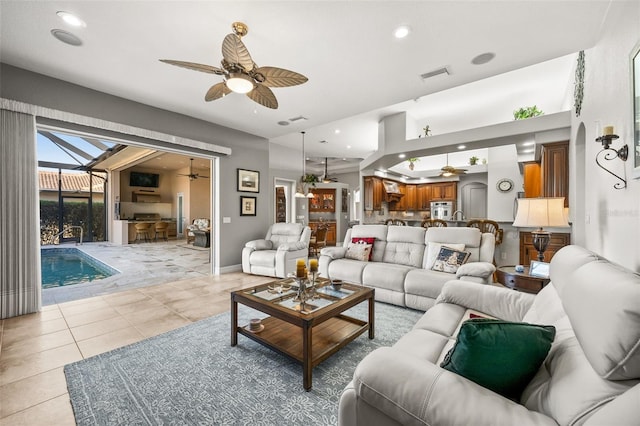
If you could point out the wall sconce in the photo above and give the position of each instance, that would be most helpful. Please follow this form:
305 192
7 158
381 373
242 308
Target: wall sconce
611 154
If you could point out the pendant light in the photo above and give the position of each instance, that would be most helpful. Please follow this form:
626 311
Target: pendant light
300 193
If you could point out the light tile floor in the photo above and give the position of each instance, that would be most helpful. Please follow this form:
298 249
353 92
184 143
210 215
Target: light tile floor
34 348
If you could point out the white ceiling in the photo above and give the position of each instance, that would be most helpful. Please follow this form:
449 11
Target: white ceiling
357 71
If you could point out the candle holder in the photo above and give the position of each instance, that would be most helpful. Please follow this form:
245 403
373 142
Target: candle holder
301 295
608 153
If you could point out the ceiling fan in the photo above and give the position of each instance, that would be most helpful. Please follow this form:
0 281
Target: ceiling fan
241 74
448 170
325 177
191 175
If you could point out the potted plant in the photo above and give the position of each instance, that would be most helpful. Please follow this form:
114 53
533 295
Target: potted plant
473 160
411 161
528 112
312 179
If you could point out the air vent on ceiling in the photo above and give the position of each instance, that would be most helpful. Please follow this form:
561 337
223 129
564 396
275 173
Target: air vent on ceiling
298 118
443 70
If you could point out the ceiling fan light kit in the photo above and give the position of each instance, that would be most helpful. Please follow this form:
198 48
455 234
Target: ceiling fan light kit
239 83
241 74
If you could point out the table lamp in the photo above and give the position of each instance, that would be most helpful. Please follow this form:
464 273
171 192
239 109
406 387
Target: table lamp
538 213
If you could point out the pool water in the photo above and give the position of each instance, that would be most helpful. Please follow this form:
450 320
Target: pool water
69 266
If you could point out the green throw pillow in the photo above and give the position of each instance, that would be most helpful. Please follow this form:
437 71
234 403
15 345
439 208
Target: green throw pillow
500 355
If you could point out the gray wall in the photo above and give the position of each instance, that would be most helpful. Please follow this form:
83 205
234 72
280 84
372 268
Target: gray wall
249 151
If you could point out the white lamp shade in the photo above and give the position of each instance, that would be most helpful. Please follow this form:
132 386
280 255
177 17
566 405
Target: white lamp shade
540 212
239 83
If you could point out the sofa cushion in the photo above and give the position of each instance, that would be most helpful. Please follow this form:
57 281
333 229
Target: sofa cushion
423 344
347 270
566 387
433 249
379 232
358 252
500 355
264 258
281 233
602 301
425 282
385 275
449 260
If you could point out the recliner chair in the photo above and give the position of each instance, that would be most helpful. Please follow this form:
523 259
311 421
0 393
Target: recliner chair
276 254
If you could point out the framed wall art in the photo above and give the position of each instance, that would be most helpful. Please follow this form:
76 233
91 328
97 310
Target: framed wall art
248 206
248 181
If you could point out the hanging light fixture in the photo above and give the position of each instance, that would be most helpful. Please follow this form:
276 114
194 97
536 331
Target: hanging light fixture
301 190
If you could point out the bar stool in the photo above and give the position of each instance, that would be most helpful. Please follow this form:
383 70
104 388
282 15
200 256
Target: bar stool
162 228
142 231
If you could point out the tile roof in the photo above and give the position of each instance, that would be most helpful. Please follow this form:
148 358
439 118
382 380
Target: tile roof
71 182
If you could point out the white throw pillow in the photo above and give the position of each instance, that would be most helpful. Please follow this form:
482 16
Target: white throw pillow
358 252
434 249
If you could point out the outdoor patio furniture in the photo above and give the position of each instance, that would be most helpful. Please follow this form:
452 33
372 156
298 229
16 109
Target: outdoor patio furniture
200 224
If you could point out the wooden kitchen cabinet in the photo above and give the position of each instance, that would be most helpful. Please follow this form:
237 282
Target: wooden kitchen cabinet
423 197
372 193
444 191
401 204
532 179
528 252
555 170
411 197
324 200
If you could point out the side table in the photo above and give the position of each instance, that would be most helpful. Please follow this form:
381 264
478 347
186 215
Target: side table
520 281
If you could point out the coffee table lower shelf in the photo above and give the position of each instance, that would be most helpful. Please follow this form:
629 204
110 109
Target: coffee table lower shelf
287 339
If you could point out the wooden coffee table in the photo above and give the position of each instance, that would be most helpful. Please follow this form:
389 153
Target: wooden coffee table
309 336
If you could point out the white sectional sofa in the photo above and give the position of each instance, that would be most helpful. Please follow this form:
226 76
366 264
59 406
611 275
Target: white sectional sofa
399 269
590 376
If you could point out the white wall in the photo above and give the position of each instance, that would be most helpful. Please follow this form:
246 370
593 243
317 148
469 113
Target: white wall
611 217
503 163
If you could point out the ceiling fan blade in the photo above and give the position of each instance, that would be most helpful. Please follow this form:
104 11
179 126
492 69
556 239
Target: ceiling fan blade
204 177
264 96
278 77
195 67
216 92
235 52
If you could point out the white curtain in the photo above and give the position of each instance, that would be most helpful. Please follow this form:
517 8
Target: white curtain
20 282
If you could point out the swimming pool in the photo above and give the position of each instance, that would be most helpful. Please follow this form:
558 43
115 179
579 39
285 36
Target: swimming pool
69 266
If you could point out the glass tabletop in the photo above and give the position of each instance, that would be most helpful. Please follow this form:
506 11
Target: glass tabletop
285 293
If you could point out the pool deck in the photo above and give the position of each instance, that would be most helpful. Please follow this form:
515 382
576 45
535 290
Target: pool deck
140 265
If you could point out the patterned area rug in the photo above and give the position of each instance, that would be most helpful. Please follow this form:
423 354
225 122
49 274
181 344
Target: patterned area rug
193 376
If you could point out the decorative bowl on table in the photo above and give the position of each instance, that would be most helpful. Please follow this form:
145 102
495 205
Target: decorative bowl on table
336 284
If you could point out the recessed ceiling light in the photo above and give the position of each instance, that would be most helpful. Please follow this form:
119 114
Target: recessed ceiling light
402 31
401 155
337 131
462 146
323 141
348 146
483 58
66 37
71 19
283 123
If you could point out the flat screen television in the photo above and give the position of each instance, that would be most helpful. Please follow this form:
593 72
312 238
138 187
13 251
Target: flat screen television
147 180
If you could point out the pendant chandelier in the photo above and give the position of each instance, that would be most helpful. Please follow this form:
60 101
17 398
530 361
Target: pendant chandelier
301 191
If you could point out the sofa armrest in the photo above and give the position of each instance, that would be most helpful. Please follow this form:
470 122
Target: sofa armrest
260 244
294 246
333 252
416 392
482 270
496 301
